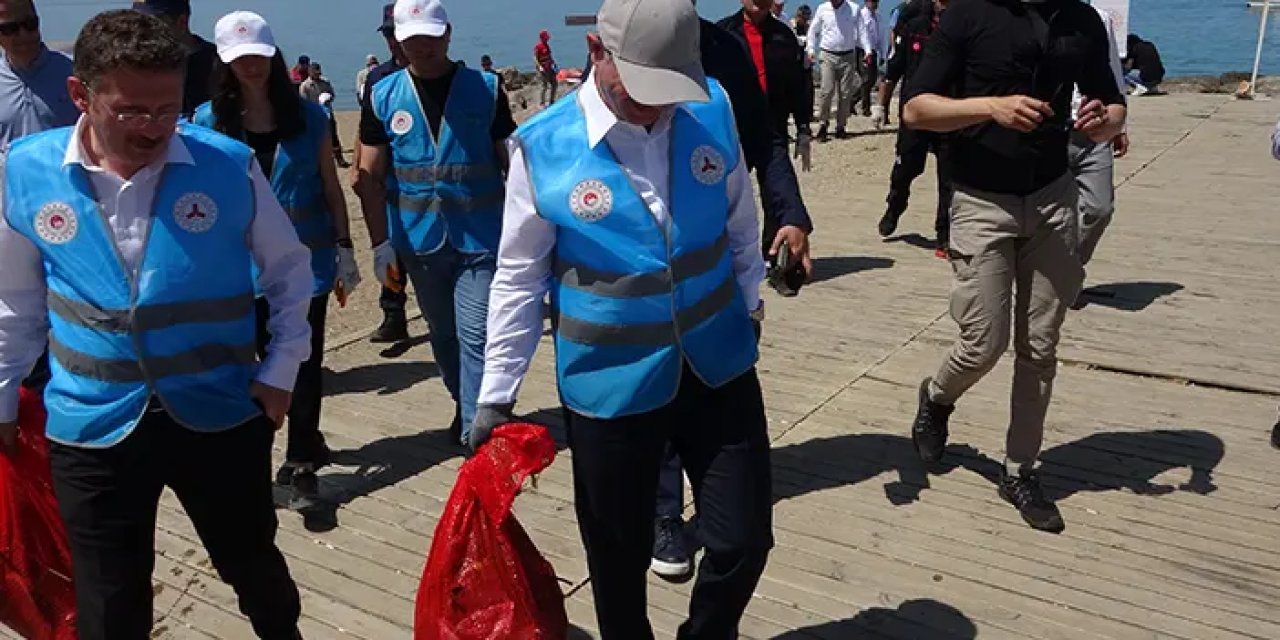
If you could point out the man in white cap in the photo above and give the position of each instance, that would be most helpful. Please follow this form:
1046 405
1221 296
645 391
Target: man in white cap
440 127
629 203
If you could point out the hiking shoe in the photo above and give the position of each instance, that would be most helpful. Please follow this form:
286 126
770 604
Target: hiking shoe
671 559
929 431
284 476
1023 492
889 221
1275 436
394 328
306 487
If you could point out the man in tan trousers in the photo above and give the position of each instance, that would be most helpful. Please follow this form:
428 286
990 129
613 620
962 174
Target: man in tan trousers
1014 227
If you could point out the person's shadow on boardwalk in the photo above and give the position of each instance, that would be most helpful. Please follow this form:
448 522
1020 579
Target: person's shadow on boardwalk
1118 460
1104 461
924 619
825 463
1127 296
832 267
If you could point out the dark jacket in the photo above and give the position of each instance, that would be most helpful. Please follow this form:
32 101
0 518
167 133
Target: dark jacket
783 68
1144 57
765 150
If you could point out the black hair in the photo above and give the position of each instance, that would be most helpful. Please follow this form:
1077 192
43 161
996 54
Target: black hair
126 39
228 100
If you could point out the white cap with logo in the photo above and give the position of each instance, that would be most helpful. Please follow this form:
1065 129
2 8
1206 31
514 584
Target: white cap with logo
420 18
243 33
656 45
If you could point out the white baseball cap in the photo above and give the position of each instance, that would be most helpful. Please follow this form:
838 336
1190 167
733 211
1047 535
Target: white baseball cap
420 18
243 33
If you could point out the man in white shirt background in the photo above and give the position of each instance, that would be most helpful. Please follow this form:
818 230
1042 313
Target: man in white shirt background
126 244
835 36
870 54
629 203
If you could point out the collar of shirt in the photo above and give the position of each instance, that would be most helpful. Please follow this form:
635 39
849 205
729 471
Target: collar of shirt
41 60
601 121
176 153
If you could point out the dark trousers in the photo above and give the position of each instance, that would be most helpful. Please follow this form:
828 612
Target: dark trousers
722 440
39 376
109 498
306 443
869 73
333 134
913 151
392 302
670 486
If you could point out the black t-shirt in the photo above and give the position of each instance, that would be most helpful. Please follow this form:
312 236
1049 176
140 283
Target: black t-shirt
200 62
1146 59
433 93
264 145
990 48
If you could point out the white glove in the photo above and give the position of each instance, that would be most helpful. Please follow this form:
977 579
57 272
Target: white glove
326 98
877 116
384 264
804 147
348 273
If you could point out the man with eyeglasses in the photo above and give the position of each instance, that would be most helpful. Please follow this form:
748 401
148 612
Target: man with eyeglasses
1014 227
126 244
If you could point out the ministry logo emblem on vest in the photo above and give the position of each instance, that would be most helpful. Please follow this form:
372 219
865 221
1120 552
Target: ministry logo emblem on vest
591 200
56 223
401 122
707 165
195 212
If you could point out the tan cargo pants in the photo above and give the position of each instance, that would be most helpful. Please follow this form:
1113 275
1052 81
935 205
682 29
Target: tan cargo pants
1012 257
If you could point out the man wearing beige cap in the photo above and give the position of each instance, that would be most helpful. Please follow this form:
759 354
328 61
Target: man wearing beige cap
630 204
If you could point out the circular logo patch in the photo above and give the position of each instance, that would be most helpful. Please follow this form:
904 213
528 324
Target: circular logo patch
401 122
195 212
56 223
707 165
591 200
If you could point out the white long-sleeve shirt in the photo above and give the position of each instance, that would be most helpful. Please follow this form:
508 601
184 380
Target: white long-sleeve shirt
527 247
1116 68
837 29
869 24
284 264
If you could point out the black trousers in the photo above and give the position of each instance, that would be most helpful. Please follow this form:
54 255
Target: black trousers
109 497
913 151
306 443
670 504
333 135
869 73
722 440
39 376
392 302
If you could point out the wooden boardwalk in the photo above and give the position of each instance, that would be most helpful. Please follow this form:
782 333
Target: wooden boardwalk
1157 439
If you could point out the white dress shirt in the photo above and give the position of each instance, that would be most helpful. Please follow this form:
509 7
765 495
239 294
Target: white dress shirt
284 266
836 29
525 253
869 25
1116 68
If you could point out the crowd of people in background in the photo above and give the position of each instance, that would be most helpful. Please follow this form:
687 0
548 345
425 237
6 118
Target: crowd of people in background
226 283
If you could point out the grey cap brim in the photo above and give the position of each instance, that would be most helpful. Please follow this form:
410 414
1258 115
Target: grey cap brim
655 86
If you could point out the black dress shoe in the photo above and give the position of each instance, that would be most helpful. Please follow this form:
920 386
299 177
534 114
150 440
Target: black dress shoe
394 328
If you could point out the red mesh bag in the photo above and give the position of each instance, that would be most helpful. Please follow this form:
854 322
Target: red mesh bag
36 595
484 579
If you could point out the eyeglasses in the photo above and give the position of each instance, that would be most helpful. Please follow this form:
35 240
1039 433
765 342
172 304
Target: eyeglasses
12 28
133 119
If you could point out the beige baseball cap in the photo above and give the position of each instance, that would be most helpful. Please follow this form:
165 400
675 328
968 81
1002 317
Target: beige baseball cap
657 49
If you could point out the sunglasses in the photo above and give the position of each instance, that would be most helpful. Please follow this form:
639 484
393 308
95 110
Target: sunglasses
12 28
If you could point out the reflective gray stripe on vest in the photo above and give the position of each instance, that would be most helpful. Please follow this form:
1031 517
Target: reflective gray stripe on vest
653 334
199 360
448 173
434 204
151 317
638 285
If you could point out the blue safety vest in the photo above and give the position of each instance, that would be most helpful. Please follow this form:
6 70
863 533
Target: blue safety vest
450 189
181 327
296 181
633 300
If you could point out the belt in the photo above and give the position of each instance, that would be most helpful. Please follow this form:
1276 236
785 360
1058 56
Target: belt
838 53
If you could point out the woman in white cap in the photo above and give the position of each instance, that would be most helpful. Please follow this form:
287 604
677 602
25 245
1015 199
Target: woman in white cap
255 101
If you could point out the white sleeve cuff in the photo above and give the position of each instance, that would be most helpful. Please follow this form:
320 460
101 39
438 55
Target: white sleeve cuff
279 372
498 387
